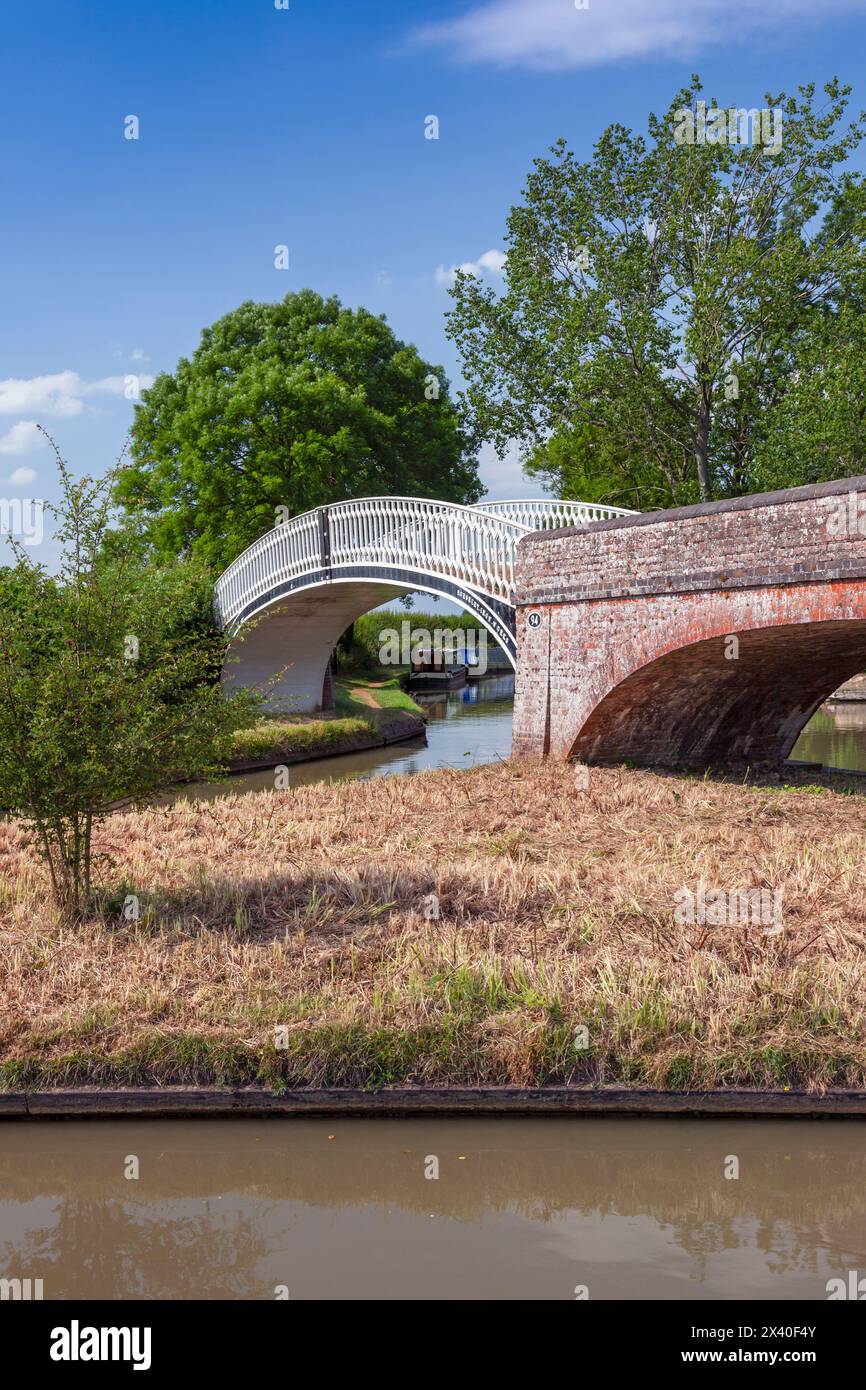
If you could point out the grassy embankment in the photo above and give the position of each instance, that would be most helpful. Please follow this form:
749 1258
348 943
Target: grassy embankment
368 713
305 909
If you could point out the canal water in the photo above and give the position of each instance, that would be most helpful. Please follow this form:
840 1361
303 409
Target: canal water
521 1208
835 736
473 725
464 728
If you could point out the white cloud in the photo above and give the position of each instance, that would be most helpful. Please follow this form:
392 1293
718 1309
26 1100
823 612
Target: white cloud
136 355
491 261
61 394
21 477
23 438
117 385
553 34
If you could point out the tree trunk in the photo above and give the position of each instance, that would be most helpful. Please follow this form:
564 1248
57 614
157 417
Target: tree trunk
87 875
702 444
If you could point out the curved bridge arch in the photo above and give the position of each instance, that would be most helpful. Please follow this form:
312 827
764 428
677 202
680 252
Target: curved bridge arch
693 706
309 578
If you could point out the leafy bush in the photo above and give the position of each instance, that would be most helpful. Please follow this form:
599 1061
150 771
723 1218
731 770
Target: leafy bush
107 685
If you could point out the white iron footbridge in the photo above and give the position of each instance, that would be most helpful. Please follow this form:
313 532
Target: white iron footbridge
312 576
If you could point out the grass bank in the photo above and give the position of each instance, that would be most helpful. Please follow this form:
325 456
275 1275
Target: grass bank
304 911
368 713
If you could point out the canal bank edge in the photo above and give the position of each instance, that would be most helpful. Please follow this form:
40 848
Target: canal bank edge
210 1102
384 727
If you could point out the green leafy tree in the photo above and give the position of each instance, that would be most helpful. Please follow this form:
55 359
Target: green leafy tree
289 405
659 296
816 429
108 689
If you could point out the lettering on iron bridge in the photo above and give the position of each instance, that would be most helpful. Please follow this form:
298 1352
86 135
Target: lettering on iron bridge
470 601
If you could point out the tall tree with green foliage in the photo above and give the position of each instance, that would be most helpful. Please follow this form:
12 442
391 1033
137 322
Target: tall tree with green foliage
816 428
289 405
109 688
662 298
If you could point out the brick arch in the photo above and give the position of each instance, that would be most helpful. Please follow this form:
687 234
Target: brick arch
695 707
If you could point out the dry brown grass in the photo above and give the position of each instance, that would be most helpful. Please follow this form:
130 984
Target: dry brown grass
304 909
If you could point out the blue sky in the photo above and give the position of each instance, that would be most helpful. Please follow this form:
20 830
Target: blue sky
262 126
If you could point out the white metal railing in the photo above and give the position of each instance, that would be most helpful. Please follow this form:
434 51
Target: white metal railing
437 538
474 546
288 552
540 514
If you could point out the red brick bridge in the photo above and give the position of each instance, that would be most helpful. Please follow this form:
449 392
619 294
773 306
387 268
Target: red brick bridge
700 637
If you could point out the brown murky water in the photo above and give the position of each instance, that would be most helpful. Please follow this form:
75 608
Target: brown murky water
521 1209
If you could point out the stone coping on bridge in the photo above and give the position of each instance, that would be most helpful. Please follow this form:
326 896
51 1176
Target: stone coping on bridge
782 497
696 637
762 541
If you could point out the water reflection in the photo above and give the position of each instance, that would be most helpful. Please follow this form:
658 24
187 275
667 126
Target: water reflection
835 736
521 1209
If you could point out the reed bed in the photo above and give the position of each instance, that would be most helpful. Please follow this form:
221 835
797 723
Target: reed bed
285 938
